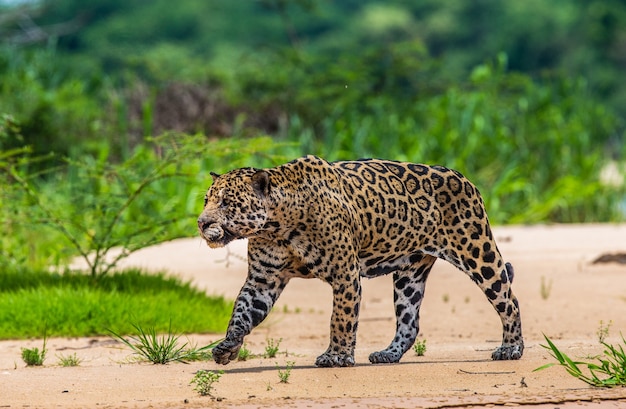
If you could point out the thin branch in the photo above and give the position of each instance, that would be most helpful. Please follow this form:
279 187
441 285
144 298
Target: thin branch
487 373
56 222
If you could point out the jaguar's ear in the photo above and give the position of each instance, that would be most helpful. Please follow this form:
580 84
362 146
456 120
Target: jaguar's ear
261 183
214 176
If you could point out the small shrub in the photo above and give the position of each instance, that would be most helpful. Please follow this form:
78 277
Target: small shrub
69 360
271 349
160 350
419 347
204 381
34 357
284 375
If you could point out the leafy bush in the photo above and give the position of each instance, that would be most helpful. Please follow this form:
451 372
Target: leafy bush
34 357
92 205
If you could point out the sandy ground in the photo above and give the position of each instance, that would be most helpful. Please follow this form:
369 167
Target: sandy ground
458 323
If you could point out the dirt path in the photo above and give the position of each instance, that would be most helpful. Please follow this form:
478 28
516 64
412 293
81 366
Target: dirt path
458 323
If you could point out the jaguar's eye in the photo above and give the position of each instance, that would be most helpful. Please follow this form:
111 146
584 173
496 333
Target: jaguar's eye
224 202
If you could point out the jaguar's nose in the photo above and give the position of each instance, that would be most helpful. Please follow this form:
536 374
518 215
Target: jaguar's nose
204 222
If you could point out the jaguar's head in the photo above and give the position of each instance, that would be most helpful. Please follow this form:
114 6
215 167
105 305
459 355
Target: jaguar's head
234 206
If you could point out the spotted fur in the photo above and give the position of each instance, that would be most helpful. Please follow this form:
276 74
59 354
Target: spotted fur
342 221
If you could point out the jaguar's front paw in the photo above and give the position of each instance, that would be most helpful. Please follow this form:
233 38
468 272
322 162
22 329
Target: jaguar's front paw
226 351
328 360
385 357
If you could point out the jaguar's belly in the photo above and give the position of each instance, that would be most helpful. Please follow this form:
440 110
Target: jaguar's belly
381 264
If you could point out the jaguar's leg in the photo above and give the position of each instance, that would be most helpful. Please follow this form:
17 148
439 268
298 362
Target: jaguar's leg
488 270
508 308
266 280
344 321
408 293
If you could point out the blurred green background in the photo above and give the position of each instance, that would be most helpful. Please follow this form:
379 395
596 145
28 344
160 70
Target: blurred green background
526 98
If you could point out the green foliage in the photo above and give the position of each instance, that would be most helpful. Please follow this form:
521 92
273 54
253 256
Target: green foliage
74 305
132 40
419 347
96 201
160 349
285 374
56 111
491 130
9 131
204 381
518 112
69 360
244 353
609 371
271 349
34 357
102 211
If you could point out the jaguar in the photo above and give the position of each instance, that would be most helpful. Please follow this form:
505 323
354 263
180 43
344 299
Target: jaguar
347 220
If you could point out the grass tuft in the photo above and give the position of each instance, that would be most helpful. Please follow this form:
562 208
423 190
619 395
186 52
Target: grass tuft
69 360
161 349
285 374
608 372
244 353
271 349
34 357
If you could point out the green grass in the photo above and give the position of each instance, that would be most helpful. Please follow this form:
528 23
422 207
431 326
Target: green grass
76 305
244 353
609 370
161 349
